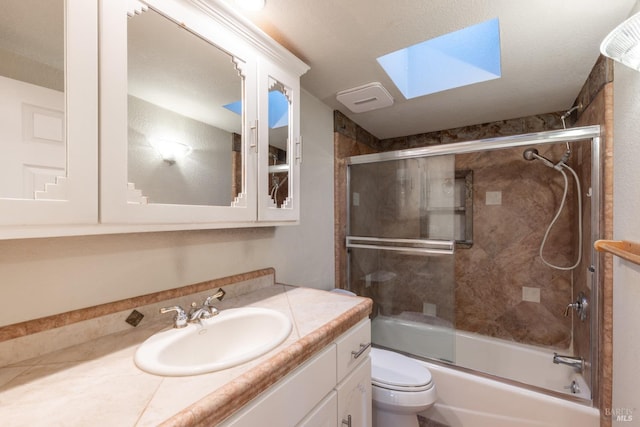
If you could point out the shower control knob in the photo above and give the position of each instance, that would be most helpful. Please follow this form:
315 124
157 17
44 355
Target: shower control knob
574 305
580 306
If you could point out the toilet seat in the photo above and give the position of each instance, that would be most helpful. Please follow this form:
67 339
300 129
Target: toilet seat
393 371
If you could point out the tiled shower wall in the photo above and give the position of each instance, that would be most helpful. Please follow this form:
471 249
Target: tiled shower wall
503 262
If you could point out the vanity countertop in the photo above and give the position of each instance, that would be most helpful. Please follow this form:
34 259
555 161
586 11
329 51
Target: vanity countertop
97 383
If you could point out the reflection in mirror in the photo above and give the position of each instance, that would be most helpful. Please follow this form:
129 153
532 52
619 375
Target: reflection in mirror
32 101
279 109
184 144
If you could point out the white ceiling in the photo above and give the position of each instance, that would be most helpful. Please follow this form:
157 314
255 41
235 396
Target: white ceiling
548 49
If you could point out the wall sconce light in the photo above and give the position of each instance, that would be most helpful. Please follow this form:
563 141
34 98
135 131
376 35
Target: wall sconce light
171 150
623 43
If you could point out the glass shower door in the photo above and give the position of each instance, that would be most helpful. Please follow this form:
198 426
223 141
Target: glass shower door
401 239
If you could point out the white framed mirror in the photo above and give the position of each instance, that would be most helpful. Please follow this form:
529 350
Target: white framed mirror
177 114
280 145
279 116
48 110
185 115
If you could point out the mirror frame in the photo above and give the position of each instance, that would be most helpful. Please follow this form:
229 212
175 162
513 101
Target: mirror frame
121 203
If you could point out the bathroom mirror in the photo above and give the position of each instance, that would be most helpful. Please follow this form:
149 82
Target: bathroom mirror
185 115
279 134
32 101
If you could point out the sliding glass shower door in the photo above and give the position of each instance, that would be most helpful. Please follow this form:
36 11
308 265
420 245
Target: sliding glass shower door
404 219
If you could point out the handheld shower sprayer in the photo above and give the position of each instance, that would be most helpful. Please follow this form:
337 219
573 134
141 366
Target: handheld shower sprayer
532 154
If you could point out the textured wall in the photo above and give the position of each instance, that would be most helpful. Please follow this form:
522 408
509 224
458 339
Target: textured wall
626 275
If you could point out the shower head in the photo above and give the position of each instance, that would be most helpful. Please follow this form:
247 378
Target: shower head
532 154
529 154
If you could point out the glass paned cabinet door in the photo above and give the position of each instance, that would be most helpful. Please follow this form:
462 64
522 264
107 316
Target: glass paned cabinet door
280 149
48 112
176 151
184 115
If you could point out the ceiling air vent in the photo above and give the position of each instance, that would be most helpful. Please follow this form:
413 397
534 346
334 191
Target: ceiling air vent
365 98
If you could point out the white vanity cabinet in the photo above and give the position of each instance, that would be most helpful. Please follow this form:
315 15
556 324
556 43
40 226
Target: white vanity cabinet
199 117
332 389
49 115
353 373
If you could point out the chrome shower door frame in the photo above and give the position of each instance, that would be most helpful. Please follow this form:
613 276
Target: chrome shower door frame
592 133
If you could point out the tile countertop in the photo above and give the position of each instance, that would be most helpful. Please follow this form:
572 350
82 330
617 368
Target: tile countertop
97 383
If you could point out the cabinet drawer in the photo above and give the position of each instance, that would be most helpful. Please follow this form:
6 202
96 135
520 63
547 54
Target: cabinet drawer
353 347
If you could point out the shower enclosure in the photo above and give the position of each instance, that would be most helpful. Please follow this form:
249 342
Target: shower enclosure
479 255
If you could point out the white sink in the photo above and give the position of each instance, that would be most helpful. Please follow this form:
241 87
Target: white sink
232 337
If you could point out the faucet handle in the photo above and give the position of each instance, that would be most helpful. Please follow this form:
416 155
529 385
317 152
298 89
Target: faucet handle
218 295
581 306
180 320
208 302
574 305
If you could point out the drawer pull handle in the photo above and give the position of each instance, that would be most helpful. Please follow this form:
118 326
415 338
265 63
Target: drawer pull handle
347 422
363 348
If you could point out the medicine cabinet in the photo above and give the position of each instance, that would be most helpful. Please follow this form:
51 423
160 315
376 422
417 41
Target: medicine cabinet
199 119
175 114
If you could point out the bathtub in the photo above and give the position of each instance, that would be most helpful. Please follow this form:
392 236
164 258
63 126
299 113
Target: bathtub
469 400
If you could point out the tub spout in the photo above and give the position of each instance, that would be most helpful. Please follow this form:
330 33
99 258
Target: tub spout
575 362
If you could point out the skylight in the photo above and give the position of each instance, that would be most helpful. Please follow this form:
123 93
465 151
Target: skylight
278 109
460 58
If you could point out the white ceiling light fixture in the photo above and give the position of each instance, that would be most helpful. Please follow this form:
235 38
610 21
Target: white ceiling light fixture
170 151
251 5
623 43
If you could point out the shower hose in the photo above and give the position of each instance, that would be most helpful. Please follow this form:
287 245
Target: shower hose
560 167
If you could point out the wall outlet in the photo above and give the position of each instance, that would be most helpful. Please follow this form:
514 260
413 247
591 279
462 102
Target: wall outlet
530 294
493 198
429 309
355 197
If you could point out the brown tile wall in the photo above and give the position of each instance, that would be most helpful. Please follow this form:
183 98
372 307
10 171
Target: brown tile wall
504 257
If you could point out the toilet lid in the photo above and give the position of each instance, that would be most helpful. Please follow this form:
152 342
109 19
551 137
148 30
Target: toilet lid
397 372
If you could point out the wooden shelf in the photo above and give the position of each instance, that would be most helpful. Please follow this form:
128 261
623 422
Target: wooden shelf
622 248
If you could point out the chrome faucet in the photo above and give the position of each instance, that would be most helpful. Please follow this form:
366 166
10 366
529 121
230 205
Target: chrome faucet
196 314
575 362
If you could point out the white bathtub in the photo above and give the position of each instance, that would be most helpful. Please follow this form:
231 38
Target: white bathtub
468 400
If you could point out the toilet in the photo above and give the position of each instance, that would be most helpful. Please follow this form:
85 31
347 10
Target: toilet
401 388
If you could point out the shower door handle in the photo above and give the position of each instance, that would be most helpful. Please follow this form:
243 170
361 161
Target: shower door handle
422 246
